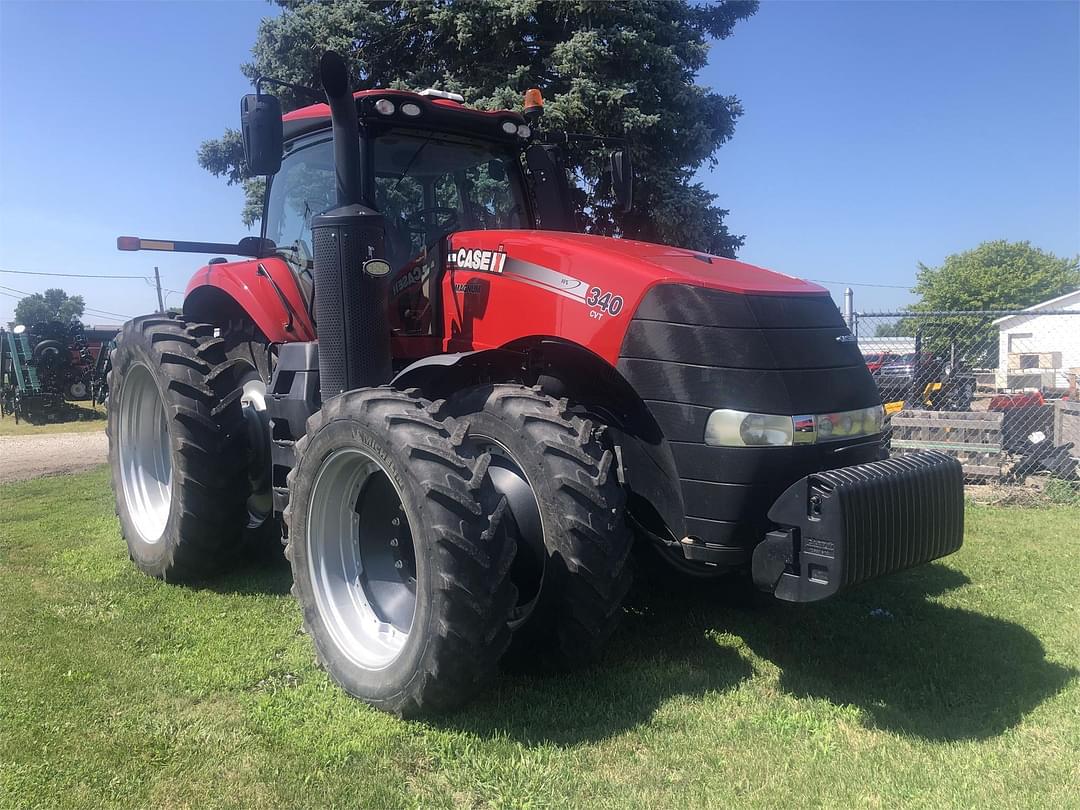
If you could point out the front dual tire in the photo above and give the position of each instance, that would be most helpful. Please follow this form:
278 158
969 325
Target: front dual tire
400 552
422 537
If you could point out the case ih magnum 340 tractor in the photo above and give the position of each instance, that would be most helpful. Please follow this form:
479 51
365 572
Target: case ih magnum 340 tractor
465 414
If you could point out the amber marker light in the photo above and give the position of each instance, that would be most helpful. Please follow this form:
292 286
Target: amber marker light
534 104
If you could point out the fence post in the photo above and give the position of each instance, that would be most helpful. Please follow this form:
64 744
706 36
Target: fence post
849 308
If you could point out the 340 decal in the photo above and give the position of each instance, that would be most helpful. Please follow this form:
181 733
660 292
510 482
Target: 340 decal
608 302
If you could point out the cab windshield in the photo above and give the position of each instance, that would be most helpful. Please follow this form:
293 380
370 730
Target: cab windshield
429 186
426 184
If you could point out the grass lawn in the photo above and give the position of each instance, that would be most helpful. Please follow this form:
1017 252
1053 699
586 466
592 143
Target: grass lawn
118 690
83 419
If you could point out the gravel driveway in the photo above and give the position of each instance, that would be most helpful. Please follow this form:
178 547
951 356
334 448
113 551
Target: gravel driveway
50 454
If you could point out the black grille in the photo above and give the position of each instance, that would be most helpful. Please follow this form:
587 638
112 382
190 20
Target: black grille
690 350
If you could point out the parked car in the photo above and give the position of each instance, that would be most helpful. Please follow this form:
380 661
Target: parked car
875 360
925 380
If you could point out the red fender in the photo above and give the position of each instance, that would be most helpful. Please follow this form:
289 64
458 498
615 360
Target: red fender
248 283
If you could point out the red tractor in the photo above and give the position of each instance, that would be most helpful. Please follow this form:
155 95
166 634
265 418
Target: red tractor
465 414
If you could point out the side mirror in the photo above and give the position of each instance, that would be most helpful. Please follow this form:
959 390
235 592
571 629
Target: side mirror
622 179
255 246
260 124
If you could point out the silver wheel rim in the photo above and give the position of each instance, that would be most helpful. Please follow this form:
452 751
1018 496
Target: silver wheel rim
145 454
361 559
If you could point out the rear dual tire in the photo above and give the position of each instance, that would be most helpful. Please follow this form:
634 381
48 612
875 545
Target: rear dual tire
179 450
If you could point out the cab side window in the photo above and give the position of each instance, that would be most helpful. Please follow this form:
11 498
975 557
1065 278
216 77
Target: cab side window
305 186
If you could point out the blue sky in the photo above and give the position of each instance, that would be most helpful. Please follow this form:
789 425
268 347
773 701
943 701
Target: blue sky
876 135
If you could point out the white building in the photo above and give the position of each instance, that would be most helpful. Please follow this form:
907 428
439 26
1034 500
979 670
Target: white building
1040 351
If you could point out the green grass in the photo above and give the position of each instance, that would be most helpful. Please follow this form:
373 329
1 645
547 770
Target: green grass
118 690
78 419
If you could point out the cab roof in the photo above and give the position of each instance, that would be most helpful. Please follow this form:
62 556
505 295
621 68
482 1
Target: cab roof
435 114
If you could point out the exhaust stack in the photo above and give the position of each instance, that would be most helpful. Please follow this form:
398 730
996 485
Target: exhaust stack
334 75
350 287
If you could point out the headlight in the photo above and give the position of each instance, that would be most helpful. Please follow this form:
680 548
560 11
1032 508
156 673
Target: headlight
730 428
848 424
384 106
509 127
410 109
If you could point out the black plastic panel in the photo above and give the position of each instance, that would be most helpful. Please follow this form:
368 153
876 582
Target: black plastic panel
678 303
785 392
681 423
741 348
726 501
293 397
747 465
721 532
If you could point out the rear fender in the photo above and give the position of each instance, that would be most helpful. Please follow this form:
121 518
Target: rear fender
264 289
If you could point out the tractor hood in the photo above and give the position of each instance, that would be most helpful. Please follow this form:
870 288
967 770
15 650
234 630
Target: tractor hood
643 262
506 285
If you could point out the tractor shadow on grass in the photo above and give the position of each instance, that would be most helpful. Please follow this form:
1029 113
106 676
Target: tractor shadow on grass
641 672
913 666
925 669
921 668
268 572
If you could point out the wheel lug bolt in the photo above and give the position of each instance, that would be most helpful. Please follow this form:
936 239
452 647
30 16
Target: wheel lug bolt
393 542
395 522
399 564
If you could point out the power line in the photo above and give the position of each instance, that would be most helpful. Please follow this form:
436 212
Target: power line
69 275
861 284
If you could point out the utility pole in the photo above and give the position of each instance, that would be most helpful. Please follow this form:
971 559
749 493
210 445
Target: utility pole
157 282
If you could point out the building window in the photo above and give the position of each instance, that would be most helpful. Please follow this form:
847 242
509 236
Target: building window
1018 342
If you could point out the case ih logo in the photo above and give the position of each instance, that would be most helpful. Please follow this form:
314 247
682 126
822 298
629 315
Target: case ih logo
489 261
406 280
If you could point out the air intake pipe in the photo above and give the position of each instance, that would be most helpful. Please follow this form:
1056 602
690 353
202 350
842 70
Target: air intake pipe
349 245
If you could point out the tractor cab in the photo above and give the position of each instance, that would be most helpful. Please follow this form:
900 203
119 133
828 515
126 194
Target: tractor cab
427 184
430 165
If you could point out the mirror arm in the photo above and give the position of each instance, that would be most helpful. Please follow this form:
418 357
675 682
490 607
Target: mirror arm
310 92
255 249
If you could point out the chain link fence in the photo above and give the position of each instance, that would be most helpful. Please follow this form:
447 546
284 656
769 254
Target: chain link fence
998 390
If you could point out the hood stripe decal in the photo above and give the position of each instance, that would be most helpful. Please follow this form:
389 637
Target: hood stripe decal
544 277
